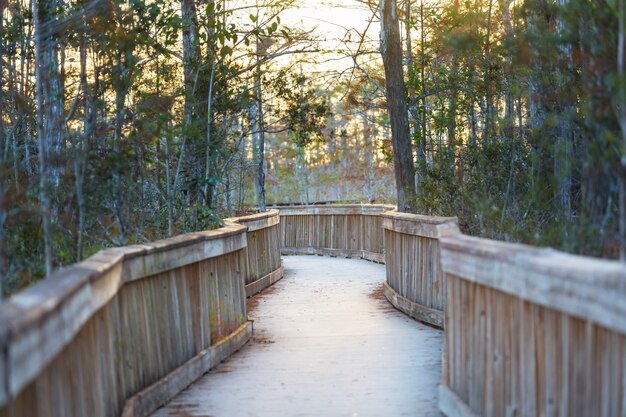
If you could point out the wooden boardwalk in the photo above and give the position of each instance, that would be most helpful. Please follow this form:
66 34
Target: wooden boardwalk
326 343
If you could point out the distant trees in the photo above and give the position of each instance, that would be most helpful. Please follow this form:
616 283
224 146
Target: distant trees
122 122
517 124
138 114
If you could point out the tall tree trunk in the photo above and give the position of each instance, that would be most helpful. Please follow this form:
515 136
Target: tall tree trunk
509 99
473 139
419 116
209 186
49 115
489 104
620 110
191 58
121 85
257 124
3 211
564 151
391 51
81 157
421 152
191 73
369 156
168 189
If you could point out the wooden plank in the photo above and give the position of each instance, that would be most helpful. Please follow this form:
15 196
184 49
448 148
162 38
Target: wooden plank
412 258
196 248
53 312
257 221
4 376
330 210
149 399
264 282
418 225
342 253
373 257
414 310
92 312
452 406
579 286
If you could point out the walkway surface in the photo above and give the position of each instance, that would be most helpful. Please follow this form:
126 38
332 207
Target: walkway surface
326 343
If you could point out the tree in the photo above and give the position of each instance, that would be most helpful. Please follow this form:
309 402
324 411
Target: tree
391 51
620 111
49 116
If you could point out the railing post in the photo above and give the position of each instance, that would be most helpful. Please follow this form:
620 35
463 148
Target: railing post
415 282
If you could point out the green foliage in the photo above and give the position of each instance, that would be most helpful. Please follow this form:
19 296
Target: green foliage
521 138
305 110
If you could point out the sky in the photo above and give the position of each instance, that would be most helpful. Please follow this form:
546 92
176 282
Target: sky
339 23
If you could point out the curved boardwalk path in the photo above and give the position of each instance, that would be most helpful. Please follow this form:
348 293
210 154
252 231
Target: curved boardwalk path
326 343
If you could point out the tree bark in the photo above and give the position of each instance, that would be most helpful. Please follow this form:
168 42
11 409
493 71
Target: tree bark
49 115
418 116
3 212
257 124
564 151
489 104
391 51
191 58
509 99
80 159
620 111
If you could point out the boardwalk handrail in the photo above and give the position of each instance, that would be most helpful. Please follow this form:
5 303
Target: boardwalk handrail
348 230
532 331
415 283
529 331
125 330
262 250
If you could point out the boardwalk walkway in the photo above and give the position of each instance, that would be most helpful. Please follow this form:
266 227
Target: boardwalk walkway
326 343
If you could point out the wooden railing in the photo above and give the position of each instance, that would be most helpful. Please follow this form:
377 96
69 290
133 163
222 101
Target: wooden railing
127 329
263 250
415 282
528 331
532 332
407 243
349 230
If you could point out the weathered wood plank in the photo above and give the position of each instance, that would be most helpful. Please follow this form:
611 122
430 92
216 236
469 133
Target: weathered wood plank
419 225
339 209
94 334
160 257
529 358
264 282
582 287
257 221
52 313
452 406
149 399
4 366
417 311
412 257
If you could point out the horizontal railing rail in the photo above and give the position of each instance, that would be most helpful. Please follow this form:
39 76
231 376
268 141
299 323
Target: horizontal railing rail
347 230
125 330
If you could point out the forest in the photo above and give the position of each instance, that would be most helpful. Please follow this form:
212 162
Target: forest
125 121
